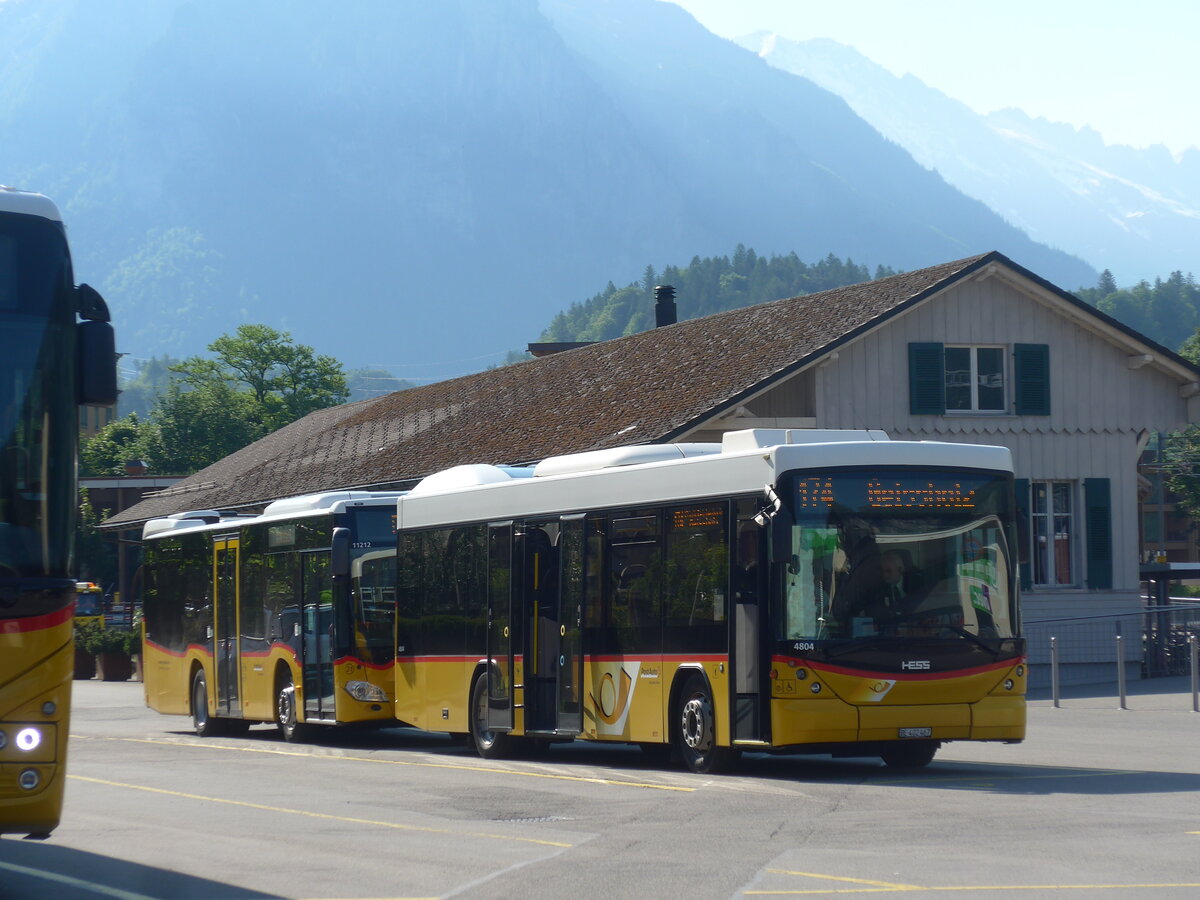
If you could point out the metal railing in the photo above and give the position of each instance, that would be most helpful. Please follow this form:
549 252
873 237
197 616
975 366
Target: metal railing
1160 641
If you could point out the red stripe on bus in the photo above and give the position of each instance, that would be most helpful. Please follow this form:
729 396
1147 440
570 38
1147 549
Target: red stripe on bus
179 654
37 623
378 667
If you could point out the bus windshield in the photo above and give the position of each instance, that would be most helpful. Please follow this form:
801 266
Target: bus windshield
37 403
899 553
373 574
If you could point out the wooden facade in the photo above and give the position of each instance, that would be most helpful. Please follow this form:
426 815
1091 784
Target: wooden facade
1108 392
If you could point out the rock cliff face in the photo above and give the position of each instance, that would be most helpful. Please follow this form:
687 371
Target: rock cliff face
429 183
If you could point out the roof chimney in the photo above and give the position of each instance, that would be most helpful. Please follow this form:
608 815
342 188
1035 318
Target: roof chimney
664 305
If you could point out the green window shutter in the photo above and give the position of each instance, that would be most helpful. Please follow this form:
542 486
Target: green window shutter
1021 486
1098 499
1031 363
926 380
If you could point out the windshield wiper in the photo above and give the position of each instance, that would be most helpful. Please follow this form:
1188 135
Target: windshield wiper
974 638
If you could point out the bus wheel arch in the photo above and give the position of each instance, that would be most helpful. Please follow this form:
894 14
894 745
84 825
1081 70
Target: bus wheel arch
693 725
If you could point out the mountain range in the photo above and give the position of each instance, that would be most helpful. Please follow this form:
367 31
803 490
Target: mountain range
424 186
1135 212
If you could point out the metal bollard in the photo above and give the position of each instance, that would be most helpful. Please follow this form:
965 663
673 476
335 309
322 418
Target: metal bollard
1194 640
1054 671
1121 673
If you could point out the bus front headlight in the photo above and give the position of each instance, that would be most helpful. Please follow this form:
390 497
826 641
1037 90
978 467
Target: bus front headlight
365 692
28 739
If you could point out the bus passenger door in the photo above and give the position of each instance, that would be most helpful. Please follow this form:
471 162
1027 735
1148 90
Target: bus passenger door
500 627
749 591
569 691
225 637
316 617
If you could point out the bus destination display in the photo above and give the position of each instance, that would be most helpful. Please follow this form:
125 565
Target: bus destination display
923 492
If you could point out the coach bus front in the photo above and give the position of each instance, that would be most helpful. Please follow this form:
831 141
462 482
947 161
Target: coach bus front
895 624
42 378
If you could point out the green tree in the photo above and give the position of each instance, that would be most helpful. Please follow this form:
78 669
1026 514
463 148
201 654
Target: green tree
118 442
199 425
95 558
258 381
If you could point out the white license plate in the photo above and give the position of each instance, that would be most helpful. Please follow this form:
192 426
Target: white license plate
916 732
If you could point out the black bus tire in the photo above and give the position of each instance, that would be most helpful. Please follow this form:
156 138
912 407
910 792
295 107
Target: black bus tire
203 724
695 729
488 744
287 714
916 755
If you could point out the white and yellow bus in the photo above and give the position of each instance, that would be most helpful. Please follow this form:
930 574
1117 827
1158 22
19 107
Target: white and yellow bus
717 598
283 617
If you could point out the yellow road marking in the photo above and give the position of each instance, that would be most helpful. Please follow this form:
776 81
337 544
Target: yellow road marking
884 884
317 815
399 762
887 887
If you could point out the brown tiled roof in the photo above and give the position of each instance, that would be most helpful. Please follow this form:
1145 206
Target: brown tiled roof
648 387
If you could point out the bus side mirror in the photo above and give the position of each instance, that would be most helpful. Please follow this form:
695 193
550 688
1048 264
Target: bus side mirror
95 363
340 552
91 305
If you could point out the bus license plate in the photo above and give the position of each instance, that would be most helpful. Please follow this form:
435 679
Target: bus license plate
916 732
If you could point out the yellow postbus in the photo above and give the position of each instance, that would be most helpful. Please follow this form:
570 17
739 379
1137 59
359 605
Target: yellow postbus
283 617
49 364
784 591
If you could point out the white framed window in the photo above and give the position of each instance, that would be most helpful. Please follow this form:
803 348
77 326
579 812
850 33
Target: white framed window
1053 533
976 379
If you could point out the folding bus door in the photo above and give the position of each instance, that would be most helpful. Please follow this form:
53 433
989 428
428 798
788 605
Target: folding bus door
500 627
316 618
569 716
746 646
225 637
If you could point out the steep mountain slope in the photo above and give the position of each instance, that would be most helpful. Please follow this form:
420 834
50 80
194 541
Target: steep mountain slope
426 184
1136 212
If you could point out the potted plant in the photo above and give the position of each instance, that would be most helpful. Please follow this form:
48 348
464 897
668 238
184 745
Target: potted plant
111 648
85 660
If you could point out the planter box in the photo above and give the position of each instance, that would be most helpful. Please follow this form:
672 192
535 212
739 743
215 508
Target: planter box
113 666
85 664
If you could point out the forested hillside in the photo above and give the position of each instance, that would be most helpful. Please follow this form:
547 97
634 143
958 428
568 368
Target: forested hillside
704 286
1167 311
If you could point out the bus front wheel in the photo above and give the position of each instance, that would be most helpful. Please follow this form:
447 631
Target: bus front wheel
488 744
202 723
695 730
287 716
916 755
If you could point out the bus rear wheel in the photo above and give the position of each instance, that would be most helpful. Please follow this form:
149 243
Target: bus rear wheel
488 744
287 716
916 755
695 730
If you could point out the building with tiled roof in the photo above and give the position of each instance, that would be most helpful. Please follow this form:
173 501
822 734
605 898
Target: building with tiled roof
979 350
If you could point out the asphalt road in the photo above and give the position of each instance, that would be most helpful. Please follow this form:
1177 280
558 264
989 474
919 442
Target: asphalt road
1098 802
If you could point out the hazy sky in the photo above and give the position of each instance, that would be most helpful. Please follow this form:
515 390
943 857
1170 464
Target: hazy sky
1128 69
